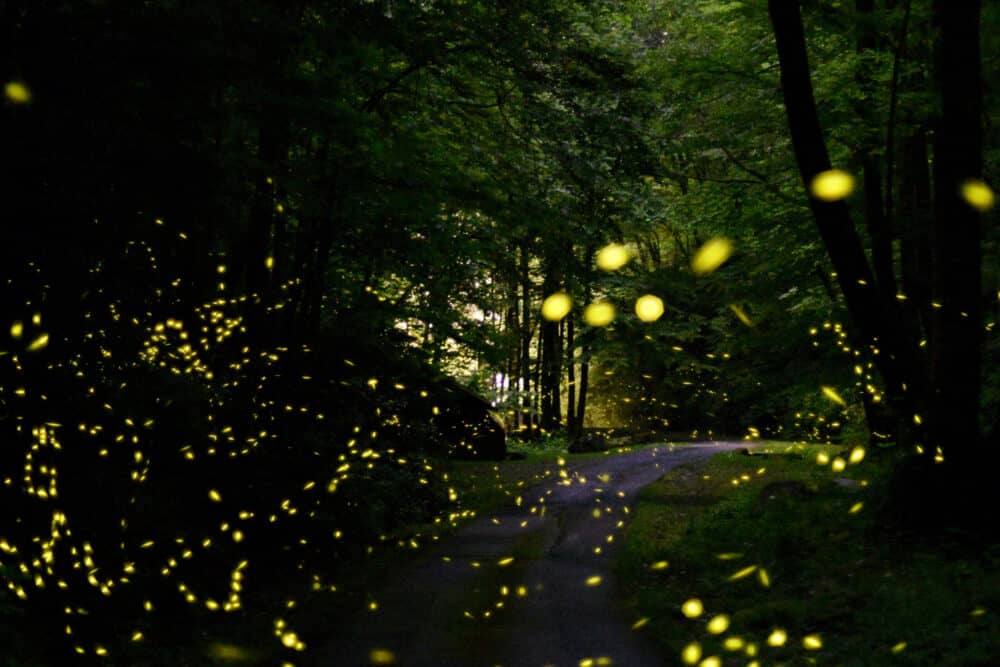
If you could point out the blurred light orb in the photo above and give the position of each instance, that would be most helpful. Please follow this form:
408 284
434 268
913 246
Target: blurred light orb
832 185
718 624
556 306
649 308
599 314
691 653
692 608
613 257
382 656
711 255
978 195
17 92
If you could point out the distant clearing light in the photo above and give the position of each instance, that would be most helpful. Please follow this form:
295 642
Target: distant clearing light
832 185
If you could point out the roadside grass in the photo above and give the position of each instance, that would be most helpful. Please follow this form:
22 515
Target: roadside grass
774 541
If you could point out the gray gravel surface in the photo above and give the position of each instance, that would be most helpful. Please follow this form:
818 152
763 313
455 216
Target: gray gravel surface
554 605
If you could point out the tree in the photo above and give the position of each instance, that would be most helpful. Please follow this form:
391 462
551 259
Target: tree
948 404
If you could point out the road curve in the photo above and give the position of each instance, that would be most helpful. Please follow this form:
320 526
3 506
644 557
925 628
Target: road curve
465 604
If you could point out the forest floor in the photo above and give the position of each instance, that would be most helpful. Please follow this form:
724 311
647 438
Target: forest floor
795 563
530 584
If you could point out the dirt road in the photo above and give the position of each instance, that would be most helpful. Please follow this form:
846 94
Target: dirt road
466 604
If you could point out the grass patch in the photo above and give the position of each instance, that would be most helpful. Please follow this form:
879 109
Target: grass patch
772 542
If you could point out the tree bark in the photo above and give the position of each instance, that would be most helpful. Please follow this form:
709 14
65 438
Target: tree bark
876 317
527 418
571 422
876 221
956 360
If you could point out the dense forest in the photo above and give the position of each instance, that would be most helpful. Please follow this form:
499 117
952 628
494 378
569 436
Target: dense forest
273 269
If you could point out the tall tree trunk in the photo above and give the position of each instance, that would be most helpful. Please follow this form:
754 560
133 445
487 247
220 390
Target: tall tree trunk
890 132
876 317
571 422
551 360
916 220
526 403
581 406
956 360
876 221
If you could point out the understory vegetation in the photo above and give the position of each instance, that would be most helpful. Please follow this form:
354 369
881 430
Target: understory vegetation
802 562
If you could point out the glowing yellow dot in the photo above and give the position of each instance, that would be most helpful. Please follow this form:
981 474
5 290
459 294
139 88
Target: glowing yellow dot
832 394
17 92
39 343
899 648
733 643
16 330
649 308
237 536
718 624
711 661
978 195
214 495
556 306
659 565
838 464
594 580
711 255
857 455
693 608
778 637
812 642
765 580
269 263
740 314
832 185
382 656
691 653
745 572
612 257
640 623
599 314
822 458
855 508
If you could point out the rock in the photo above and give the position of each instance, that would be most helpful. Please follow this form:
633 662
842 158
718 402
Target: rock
588 443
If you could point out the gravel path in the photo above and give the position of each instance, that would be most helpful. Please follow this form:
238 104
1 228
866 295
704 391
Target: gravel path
553 605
